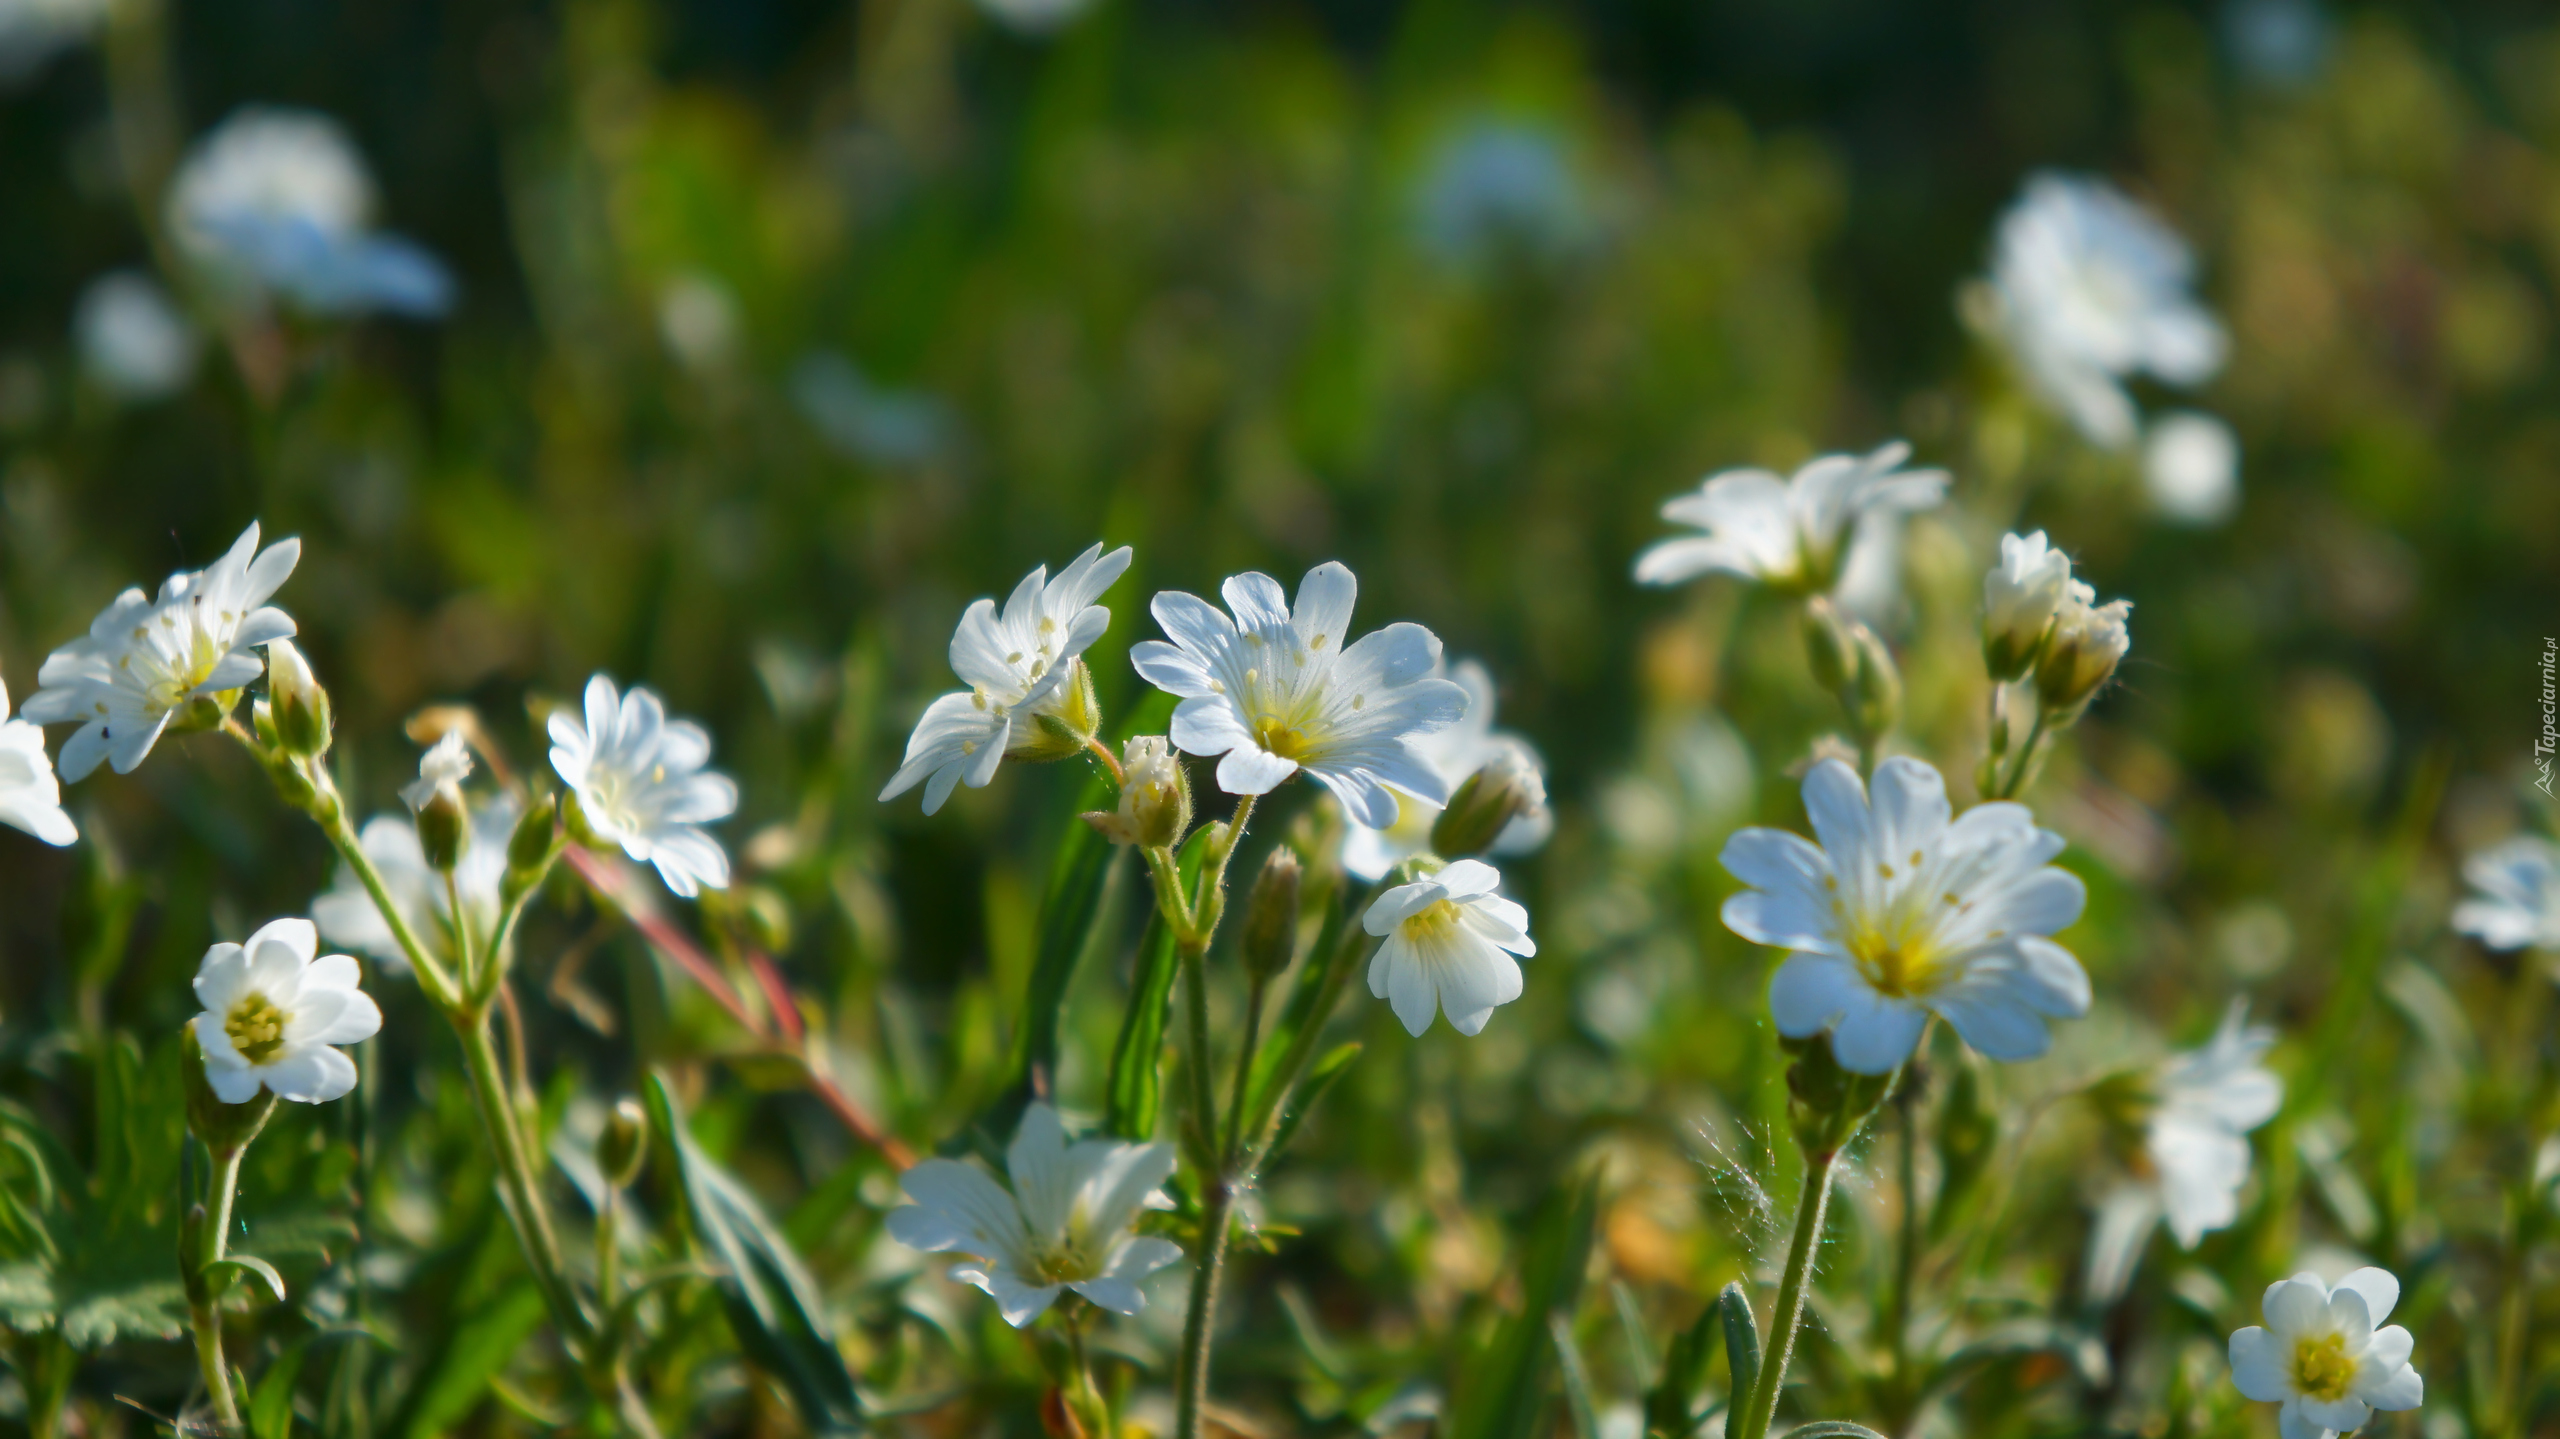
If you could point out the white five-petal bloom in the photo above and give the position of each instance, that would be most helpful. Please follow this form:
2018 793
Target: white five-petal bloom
272 1010
132 340
640 783
1019 665
2194 1155
143 658
1065 1224
1905 911
278 200
1276 690
2321 1357
2518 904
1794 533
1449 947
2089 289
1456 753
30 797
346 913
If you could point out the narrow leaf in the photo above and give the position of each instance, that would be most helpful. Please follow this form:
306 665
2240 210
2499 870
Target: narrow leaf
1741 1339
1832 1429
1137 1057
1506 1381
271 1403
773 1303
1321 1077
1577 1376
1671 1408
251 1265
480 1350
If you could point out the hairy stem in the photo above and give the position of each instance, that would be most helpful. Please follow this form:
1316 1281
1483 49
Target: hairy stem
203 1305
520 1183
1791 1291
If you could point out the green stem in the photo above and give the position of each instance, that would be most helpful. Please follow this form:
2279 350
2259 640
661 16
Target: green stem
432 979
2021 767
1341 961
1791 1292
1191 1372
45 1362
204 1304
1906 1255
520 1184
1257 987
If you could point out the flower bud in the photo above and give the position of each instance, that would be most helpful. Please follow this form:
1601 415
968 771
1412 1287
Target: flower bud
444 821
1058 726
1828 646
299 704
623 1146
1874 697
222 1127
1155 797
2019 599
1270 938
2081 655
1826 1104
1508 787
533 846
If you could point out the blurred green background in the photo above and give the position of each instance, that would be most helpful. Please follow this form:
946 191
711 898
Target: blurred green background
787 328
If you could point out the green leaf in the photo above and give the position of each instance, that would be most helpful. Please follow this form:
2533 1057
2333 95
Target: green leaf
1832 1429
1672 1406
1741 1338
1084 880
479 1353
1508 1377
1321 1077
1577 1376
271 1403
773 1303
251 1265
1137 1057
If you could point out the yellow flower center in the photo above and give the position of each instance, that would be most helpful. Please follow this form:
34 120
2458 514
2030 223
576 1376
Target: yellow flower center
256 1028
1436 920
1900 965
1280 737
2321 1368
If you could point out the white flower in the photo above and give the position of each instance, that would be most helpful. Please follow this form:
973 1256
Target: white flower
1449 942
640 783
272 1011
144 658
346 913
445 765
2209 1100
1791 533
2090 288
1901 914
1277 690
2322 1358
2088 641
2191 467
2518 906
1455 754
2019 599
33 31
1020 660
1035 17
279 200
30 798
131 340
1064 1225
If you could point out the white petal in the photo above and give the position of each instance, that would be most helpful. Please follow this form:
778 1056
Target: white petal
2296 1306
2260 1365
1875 1033
1249 769
1323 610
2379 1289
1811 991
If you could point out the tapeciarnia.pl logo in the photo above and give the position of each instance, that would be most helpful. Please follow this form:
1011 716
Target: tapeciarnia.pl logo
2549 739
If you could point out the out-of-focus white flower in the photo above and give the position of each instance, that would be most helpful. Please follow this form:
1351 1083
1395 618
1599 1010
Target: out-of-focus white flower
2277 42
1496 183
144 658
2321 1357
1455 753
2019 599
640 783
2089 289
346 913
278 201
132 340
698 319
867 420
1064 1225
445 765
1789 533
2209 1100
2196 1116
1021 660
2191 467
1449 942
2518 904
1276 690
34 31
272 1009
30 797
1035 17
1905 911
